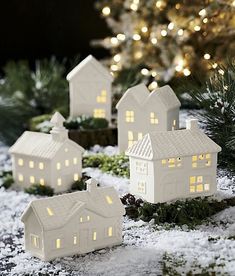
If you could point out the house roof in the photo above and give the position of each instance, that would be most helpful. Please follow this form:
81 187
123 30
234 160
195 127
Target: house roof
141 94
90 60
40 145
65 206
166 144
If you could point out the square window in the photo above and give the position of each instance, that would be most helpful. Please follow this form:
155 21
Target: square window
129 116
99 113
31 164
199 188
192 189
163 161
153 118
194 158
20 177
192 179
41 165
32 179
20 162
206 187
194 165
42 182
199 179
201 156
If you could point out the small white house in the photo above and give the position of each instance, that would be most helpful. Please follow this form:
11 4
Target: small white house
47 159
90 89
141 112
169 165
73 223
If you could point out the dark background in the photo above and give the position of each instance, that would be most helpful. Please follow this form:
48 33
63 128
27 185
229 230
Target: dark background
36 29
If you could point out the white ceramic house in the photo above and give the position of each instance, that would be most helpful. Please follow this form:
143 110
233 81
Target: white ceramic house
90 89
47 159
141 112
170 165
73 223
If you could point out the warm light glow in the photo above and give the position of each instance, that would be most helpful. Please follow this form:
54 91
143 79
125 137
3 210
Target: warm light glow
154 73
59 181
76 177
49 211
177 6
199 179
221 72
114 40
106 11
144 71
160 4
99 113
197 28
140 135
208 163
102 97
138 55
114 67
205 20
58 166
194 165
130 138
192 179
153 118
171 26
21 177
32 179
110 231
88 218
194 158
75 160
20 162
109 199
214 65
58 243
154 40
94 236
163 33
186 72
121 37
75 240
208 155
42 181
66 162
66 149
202 12
144 29
136 37
206 187
41 165
153 85
117 58
81 219
192 189
134 7
163 161
180 32
31 164
200 188
130 116
207 56
233 3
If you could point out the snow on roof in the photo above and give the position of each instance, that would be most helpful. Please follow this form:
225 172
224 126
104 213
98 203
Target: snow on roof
39 145
56 211
141 94
90 60
166 144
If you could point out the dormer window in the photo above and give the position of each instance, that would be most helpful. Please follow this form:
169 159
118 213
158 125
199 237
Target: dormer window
130 116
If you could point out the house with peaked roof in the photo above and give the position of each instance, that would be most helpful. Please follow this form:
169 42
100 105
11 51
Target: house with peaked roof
47 159
90 89
73 223
168 165
141 112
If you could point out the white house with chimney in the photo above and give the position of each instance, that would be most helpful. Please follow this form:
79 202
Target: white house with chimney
73 223
168 165
47 159
90 89
141 112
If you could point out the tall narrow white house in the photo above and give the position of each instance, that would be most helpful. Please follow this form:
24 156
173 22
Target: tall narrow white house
141 112
47 159
90 89
73 223
169 165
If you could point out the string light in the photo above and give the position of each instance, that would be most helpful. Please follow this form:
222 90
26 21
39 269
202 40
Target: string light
221 72
177 6
160 4
197 28
117 58
114 67
153 85
207 56
180 32
202 12
144 29
114 40
145 71
154 74
205 20
171 26
134 7
214 65
106 11
154 40
233 3
163 33
186 72
121 37
138 55
136 37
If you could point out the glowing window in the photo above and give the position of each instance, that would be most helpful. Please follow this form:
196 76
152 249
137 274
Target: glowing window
75 160
192 179
199 179
109 199
99 113
130 116
42 181
76 177
153 118
174 123
194 158
31 164
58 166
20 177
208 163
201 156
110 231
35 240
66 163
102 97
194 165
171 160
140 135
66 149
88 218
163 161
59 181
41 165
32 179
200 188
50 212
94 236
206 187
141 187
58 243
20 162
192 189
208 156
75 240
81 219
130 138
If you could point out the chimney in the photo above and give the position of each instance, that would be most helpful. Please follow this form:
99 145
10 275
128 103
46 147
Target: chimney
91 185
192 124
58 132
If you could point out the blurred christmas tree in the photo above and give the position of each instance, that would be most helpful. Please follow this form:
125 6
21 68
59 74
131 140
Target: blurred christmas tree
163 39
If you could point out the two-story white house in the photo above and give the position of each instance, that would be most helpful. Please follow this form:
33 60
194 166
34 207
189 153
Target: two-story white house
73 223
47 159
90 89
141 112
170 165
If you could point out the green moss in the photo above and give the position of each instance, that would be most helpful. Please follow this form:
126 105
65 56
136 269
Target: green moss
37 189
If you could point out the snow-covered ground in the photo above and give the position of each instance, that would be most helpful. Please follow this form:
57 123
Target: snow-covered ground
147 249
